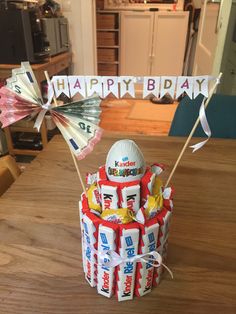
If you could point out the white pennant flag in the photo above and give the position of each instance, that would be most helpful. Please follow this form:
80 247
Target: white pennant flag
151 85
77 85
61 85
200 86
184 84
127 86
110 85
168 84
94 85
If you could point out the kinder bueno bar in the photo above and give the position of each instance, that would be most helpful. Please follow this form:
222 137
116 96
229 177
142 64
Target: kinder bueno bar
109 195
130 196
148 243
107 238
163 219
90 229
147 183
128 247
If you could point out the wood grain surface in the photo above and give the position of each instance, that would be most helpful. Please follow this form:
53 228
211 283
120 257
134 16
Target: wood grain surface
40 252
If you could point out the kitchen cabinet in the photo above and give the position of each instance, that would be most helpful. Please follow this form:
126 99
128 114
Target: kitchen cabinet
153 43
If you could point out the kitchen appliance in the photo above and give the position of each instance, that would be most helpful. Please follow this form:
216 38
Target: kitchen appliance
22 37
56 33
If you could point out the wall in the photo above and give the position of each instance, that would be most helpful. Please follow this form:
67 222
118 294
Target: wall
81 17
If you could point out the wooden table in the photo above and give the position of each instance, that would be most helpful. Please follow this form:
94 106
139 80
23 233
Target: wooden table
40 251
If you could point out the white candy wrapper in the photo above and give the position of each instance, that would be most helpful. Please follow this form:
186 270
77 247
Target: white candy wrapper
109 195
90 229
107 237
164 221
130 197
128 247
148 243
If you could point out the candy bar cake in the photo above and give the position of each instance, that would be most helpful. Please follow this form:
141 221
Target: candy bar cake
125 215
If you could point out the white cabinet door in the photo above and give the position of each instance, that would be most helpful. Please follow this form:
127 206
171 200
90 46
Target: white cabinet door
136 43
170 32
211 37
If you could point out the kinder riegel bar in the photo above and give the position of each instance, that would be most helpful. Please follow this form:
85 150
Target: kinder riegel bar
90 228
148 243
163 219
109 195
107 240
147 183
130 195
128 247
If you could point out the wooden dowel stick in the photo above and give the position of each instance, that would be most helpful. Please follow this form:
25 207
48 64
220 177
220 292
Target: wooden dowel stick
193 130
72 154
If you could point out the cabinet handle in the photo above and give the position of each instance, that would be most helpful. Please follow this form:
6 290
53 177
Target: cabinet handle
232 72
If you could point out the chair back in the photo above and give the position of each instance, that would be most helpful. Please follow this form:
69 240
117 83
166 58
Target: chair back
220 112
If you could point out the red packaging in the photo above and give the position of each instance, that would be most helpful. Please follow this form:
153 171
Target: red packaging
163 219
146 184
130 195
109 194
147 244
107 241
128 247
90 235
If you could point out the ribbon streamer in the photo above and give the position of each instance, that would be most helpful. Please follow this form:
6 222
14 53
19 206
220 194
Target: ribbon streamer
205 127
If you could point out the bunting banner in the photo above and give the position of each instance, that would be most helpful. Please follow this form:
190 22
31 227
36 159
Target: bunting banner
123 86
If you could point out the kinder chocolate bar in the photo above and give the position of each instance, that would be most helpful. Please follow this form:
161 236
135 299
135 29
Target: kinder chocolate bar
148 243
130 196
118 216
94 198
163 219
90 229
128 247
109 195
107 238
147 183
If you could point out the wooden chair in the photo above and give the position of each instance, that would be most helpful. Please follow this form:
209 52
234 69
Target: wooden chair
9 172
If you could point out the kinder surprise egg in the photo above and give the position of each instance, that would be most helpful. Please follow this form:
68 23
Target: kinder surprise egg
125 162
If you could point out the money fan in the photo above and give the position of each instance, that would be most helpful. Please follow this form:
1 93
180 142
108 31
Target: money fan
77 121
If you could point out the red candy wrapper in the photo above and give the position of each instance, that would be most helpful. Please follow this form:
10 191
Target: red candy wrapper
163 219
146 183
128 247
148 243
107 240
90 233
109 195
130 195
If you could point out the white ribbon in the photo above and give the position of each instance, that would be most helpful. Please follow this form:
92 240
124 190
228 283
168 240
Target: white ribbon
205 127
109 258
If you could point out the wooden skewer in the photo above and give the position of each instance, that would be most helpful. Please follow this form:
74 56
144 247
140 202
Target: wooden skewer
72 154
193 130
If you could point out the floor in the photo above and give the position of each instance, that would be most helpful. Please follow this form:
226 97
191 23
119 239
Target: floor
117 111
